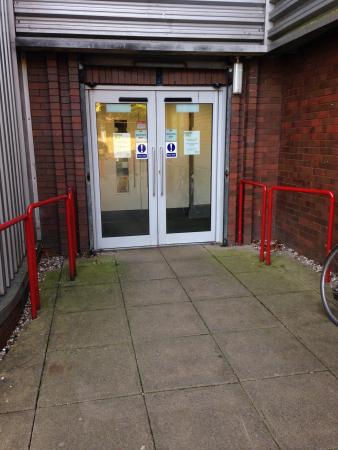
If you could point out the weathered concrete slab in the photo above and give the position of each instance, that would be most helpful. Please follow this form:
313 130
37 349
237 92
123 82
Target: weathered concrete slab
90 272
89 373
160 321
234 314
220 251
322 339
19 380
182 362
196 267
295 309
89 329
139 255
151 292
173 253
116 424
217 417
301 410
242 264
80 298
268 282
15 430
145 271
268 352
213 286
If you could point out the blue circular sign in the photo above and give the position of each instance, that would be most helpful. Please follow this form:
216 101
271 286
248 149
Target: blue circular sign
141 148
171 147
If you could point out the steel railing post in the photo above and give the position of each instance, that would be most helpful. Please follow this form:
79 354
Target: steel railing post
69 220
240 213
269 230
32 262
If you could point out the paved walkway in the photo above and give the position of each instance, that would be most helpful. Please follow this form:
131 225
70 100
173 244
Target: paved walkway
192 348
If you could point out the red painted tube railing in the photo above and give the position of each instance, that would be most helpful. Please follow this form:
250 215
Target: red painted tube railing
240 213
321 192
28 218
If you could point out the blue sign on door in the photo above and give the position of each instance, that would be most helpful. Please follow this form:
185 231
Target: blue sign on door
171 149
141 151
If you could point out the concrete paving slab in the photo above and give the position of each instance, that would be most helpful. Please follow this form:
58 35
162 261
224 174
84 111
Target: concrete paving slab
15 430
89 374
242 264
160 321
89 329
173 253
114 424
269 352
301 410
80 298
141 255
263 282
182 362
91 273
50 279
295 309
47 300
243 250
297 271
196 267
19 381
234 314
213 286
322 339
145 271
151 292
216 417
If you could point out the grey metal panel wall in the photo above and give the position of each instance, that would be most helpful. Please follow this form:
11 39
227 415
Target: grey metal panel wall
291 19
235 21
12 173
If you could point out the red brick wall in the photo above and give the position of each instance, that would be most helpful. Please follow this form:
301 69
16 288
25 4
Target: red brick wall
254 144
309 143
58 142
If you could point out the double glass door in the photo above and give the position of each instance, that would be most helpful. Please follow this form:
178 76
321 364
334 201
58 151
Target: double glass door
153 166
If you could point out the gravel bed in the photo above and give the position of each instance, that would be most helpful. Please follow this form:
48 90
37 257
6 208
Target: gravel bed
281 249
49 264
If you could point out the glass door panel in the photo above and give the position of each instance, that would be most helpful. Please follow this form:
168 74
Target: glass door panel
123 179
123 167
187 140
188 174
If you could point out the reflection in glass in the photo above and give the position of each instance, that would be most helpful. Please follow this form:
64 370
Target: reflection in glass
188 177
123 178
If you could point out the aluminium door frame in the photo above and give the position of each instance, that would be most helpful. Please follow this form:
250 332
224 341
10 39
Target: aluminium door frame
220 151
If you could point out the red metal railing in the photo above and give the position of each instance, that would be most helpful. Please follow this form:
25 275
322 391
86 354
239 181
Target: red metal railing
327 193
240 213
28 218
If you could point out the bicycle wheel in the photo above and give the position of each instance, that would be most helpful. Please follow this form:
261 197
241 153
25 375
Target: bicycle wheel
329 289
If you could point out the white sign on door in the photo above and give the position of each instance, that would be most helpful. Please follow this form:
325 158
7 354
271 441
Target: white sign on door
122 145
171 143
192 143
141 144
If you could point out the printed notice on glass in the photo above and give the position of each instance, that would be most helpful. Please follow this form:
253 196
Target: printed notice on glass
122 145
141 144
192 143
171 143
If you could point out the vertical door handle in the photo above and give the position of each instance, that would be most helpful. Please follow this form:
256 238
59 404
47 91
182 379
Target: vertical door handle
162 170
154 170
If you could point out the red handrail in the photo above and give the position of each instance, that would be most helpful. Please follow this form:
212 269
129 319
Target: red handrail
331 196
28 218
240 213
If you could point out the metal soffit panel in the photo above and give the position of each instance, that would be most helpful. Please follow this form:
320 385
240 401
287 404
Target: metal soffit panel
288 15
205 20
